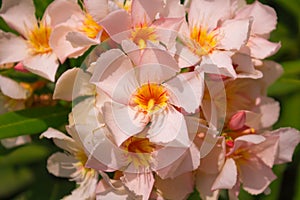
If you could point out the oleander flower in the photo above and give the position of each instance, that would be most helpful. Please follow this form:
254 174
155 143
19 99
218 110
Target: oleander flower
72 163
78 28
213 37
32 47
260 46
146 92
156 21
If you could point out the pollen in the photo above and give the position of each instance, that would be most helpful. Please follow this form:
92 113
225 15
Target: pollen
90 27
205 40
38 39
150 97
141 33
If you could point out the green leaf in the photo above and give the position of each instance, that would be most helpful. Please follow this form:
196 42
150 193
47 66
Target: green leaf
25 155
32 121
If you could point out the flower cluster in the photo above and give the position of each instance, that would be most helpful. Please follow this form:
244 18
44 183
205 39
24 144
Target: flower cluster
172 99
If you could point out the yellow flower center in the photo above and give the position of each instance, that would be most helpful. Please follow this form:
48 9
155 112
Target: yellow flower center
141 33
81 157
38 39
126 6
150 97
139 150
205 41
90 27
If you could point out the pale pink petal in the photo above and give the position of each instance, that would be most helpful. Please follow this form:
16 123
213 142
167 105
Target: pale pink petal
167 30
269 108
177 188
86 188
140 183
61 164
169 126
80 40
289 138
13 48
59 14
184 56
44 65
16 141
271 71
62 47
262 48
186 86
117 31
114 74
255 175
246 141
204 183
97 9
105 191
264 17
61 140
218 63
175 161
267 150
19 15
123 121
234 34
244 65
227 178
72 84
144 11
173 9
12 88
204 13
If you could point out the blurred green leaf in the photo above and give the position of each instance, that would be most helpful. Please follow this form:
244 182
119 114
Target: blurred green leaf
32 120
14 180
25 155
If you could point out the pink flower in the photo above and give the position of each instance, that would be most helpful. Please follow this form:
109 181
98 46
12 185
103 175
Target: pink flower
142 23
72 164
146 91
32 48
77 28
213 37
264 21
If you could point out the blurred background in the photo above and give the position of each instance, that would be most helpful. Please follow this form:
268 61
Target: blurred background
23 169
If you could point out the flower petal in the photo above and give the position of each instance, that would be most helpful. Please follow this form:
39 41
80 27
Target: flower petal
24 19
186 86
117 31
262 48
97 9
169 126
13 48
12 88
264 17
178 188
44 65
144 11
255 175
235 34
61 164
16 141
139 183
227 178
123 121
289 138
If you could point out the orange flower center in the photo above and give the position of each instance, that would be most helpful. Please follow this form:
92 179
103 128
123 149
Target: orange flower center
139 150
38 39
204 41
90 27
141 33
150 97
